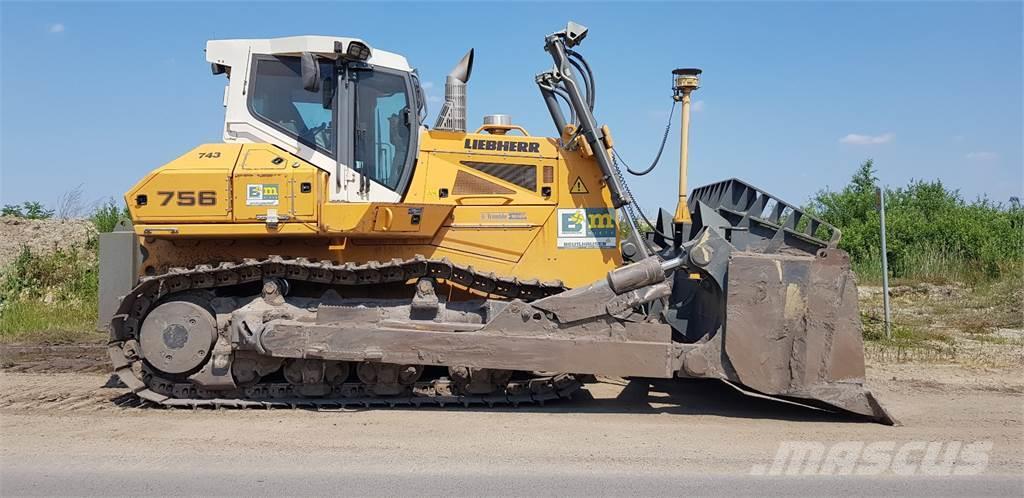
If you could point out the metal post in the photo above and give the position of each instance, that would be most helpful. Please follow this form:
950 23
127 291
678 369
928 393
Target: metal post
685 81
885 267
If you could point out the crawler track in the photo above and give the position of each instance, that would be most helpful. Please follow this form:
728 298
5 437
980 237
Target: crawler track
435 393
130 368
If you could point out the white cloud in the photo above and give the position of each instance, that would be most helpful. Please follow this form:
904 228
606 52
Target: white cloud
857 139
982 156
698 106
428 87
57 28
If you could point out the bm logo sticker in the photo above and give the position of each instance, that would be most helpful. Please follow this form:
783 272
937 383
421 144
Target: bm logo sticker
262 194
587 228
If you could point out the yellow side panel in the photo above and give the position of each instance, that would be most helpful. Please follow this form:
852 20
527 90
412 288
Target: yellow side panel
264 157
382 220
305 204
447 157
502 232
543 259
447 178
557 252
502 217
505 244
397 219
544 214
269 180
557 242
194 188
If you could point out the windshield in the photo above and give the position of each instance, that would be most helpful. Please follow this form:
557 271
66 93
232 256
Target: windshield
277 98
383 126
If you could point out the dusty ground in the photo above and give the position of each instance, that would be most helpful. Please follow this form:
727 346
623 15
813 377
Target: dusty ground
58 406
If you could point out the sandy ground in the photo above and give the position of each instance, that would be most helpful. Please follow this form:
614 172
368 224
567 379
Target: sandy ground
692 426
64 420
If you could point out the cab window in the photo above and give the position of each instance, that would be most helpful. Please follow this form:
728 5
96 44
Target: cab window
278 99
383 127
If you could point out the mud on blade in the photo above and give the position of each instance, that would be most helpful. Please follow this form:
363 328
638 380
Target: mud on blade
791 330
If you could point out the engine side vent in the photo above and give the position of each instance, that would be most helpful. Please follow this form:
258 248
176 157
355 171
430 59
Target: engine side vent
467 184
523 175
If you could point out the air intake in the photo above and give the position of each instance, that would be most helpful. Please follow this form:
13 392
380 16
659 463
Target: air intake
453 114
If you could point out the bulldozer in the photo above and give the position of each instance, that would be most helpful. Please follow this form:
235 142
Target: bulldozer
335 250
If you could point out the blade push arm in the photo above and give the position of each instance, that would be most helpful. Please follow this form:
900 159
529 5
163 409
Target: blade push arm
562 79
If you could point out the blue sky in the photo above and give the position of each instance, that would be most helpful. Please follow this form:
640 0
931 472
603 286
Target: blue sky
794 95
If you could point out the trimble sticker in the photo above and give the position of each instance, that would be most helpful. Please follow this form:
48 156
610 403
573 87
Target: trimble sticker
262 194
586 228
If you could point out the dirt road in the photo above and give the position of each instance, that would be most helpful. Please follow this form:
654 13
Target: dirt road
78 427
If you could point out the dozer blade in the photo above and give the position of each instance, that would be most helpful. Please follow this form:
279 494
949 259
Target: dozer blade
792 330
782 318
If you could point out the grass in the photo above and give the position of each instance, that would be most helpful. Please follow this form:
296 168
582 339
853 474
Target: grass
948 321
905 336
50 297
53 297
994 339
999 303
39 322
929 265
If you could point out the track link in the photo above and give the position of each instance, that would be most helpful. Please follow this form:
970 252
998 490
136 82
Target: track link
128 365
533 391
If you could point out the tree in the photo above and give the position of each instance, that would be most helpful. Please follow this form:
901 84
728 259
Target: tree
864 180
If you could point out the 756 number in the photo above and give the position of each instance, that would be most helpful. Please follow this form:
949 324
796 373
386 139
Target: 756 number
189 197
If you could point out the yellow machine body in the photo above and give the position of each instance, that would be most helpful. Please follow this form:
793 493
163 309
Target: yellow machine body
495 210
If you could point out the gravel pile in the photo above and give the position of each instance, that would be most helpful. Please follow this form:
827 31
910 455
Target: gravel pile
41 236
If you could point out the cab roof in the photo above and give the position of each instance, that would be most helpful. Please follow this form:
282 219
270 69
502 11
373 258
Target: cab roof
236 53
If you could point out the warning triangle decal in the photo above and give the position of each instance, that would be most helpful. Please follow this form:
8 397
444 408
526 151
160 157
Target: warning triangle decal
578 187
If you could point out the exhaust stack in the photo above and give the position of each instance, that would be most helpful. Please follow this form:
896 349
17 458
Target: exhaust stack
684 81
453 114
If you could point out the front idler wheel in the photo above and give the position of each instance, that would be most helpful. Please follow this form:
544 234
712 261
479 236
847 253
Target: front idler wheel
177 336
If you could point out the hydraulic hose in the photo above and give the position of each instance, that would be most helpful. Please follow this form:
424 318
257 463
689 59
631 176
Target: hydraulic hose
577 59
661 148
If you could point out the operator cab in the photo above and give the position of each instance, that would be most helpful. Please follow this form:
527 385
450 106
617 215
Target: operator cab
359 122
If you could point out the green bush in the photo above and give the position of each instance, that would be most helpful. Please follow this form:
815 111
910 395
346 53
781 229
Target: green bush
106 215
29 209
53 293
65 274
56 291
931 232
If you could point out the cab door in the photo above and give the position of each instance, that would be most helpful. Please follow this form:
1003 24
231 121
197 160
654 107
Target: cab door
383 125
